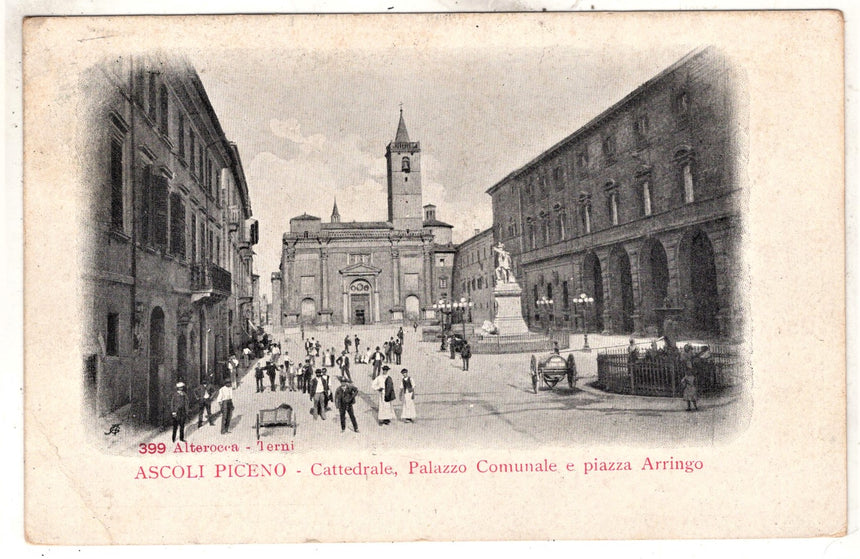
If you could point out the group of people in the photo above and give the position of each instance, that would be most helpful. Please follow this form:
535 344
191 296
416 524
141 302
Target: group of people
204 394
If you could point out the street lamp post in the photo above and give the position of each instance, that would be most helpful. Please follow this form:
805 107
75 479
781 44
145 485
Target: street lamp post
545 304
464 305
584 300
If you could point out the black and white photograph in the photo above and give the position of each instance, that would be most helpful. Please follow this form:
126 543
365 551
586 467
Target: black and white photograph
417 253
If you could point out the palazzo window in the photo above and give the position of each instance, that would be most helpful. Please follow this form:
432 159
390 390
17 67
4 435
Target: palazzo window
613 207
585 213
117 189
180 135
646 198
609 149
164 116
177 225
684 158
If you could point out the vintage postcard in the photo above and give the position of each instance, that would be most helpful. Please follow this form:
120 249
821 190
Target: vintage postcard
447 276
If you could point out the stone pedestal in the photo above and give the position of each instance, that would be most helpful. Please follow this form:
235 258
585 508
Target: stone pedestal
325 317
509 314
291 319
397 314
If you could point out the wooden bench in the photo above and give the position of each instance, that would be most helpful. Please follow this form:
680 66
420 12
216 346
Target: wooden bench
282 416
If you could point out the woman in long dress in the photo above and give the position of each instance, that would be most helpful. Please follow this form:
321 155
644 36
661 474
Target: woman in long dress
407 395
384 386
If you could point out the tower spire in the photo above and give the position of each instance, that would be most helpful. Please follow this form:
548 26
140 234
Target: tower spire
335 215
402 135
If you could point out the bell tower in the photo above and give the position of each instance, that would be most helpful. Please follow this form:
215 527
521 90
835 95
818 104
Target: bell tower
404 180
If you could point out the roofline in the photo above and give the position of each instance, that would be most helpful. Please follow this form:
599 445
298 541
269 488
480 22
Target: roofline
475 236
594 122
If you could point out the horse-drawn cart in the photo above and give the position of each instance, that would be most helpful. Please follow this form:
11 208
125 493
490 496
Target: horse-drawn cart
552 369
282 416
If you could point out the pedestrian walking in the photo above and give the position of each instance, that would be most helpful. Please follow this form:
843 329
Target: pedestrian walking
203 394
688 383
246 356
271 369
307 375
225 402
231 370
344 398
466 354
384 387
357 347
347 343
318 393
386 349
415 326
283 373
343 363
376 360
258 375
407 396
400 335
179 410
293 375
398 350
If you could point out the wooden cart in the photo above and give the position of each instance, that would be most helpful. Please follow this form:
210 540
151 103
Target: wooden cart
282 416
552 369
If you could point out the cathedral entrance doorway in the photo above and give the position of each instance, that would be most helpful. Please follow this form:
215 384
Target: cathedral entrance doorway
359 302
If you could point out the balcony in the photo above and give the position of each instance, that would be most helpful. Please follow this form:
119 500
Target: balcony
209 283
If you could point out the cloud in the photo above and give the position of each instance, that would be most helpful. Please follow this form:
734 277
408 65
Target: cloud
291 129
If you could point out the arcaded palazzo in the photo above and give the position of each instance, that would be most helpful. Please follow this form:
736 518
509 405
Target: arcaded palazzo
638 209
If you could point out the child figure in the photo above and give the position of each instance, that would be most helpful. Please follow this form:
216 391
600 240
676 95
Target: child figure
688 383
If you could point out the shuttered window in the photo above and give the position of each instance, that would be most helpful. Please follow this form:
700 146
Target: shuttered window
116 184
145 205
177 225
159 211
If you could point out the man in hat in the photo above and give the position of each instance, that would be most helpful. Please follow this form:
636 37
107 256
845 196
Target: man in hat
204 394
384 386
225 402
318 391
376 359
344 398
179 410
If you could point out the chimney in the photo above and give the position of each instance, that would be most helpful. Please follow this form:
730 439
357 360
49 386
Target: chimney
477 231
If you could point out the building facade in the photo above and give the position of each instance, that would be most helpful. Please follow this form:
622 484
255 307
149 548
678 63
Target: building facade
367 272
474 275
167 261
638 209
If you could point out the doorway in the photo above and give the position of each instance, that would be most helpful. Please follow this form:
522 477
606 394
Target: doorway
156 358
360 305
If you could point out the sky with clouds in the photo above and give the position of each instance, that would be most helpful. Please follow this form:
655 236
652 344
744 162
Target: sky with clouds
312 126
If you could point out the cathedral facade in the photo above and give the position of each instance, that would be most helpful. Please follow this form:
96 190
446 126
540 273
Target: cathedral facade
367 272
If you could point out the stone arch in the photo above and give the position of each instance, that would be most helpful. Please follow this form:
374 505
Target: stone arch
653 280
308 310
592 284
698 281
621 305
413 307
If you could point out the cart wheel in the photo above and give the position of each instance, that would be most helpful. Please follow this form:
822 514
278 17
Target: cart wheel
534 374
258 427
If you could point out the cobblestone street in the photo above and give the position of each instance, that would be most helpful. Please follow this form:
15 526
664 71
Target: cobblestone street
492 405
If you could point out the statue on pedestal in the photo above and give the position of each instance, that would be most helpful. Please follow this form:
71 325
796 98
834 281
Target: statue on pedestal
504 272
